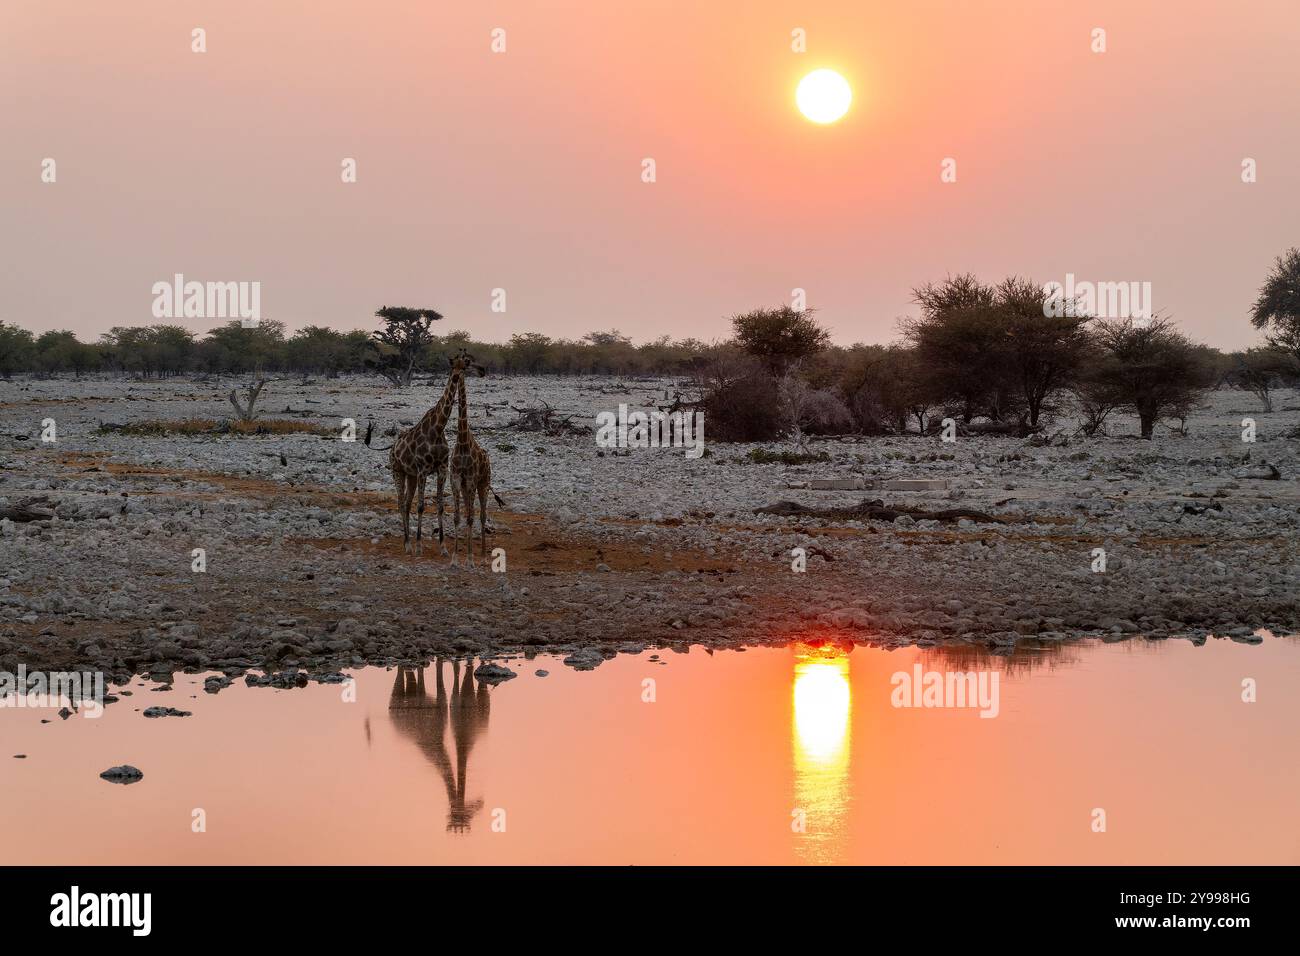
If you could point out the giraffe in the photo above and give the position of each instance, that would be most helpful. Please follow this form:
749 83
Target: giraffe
421 450
471 477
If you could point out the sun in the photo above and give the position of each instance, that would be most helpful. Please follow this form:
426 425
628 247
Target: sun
823 96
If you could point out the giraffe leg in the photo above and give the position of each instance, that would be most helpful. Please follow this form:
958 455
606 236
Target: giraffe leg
419 518
469 523
442 479
482 520
399 482
404 502
455 522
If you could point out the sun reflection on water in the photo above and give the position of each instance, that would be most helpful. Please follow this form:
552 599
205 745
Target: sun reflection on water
823 704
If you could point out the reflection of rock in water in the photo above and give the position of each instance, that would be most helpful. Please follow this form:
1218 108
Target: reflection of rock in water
424 719
822 704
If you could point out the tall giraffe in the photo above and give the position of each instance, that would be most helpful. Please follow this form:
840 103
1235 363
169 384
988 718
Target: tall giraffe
421 450
471 476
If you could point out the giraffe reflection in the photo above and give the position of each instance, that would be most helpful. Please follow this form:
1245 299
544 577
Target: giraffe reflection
424 719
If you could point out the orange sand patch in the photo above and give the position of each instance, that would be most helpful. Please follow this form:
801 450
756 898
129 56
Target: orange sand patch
533 545
531 542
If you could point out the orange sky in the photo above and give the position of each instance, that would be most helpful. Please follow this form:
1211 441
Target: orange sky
522 170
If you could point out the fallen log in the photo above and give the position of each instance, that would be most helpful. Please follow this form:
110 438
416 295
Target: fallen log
1264 472
28 509
874 511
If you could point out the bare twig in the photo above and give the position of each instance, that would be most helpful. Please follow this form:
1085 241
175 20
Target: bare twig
248 410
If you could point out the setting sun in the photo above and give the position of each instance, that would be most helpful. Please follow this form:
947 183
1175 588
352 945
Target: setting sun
823 96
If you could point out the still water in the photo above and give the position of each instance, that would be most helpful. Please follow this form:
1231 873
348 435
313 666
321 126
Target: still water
789 755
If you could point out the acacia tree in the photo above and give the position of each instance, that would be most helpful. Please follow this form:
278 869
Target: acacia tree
993 350
879 386
526 351
957 359
60 352
1261 370
17 346
1041 354
317 348
1149 367
402 341
236 347
1277 307
779 337
160 349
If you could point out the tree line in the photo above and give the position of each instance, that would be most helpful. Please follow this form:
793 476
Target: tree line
990 356
161 351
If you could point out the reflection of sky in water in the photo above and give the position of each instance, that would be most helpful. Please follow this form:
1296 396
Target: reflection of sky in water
823 704
590 773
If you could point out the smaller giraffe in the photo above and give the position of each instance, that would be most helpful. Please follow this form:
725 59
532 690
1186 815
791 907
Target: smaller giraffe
471 477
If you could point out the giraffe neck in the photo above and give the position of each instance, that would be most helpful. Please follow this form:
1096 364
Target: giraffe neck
437 416
462 421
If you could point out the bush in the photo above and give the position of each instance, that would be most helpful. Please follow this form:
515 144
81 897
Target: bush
740 400
761 456
826 414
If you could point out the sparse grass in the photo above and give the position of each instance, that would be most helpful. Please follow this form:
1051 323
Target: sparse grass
210 426
761 456
506 447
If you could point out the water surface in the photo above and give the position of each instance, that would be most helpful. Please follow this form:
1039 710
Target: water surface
733 749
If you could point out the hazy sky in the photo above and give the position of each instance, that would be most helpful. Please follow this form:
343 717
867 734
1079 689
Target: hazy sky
522 170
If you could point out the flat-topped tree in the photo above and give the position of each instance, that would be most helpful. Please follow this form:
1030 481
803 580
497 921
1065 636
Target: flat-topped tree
402 341
1147 367
779 337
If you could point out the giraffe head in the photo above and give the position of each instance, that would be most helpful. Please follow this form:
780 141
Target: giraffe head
463 362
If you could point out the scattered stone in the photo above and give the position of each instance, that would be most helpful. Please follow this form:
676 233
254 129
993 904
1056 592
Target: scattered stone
586 659
493 673
216 683
166 712
123 774
283 680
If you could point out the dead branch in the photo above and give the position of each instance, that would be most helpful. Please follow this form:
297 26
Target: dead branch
542 418
248 410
